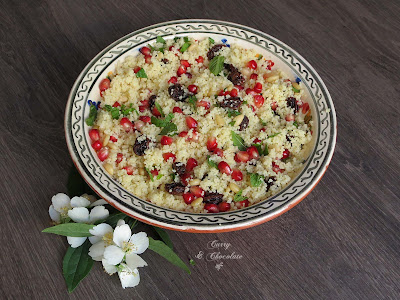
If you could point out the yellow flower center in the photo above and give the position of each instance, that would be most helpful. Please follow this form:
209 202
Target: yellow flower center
129 247
108 238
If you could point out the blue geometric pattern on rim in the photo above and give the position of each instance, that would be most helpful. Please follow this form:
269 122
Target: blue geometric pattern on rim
322 151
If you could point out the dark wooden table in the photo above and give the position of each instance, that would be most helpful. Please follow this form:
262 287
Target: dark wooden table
341 242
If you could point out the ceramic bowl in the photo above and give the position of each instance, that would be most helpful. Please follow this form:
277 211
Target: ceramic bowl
86 89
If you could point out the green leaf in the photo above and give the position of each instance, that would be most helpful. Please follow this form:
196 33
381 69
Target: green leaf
159 176
113 219
233 113
295 124
273 135
259 149
151 47
162 249
238 141
92 115
256 179
211 40
169 129
151 175
193 101
238 196
162 122
265 153
159 108
185 46
216 64
159 39
232 123
70 229
211 163
186 39
164 236
192 262
263 123
141 74
76 265
295 90
126 111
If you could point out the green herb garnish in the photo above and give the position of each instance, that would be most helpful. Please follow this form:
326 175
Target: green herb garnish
273 135
159 108
92 115
238 141
211 163
263 123
193 101
159 39
192 262
151 175
216 64
115 112
186 39
141 74
159 176
259 56
211 40
127 110
295 90
260 151
151 47
256 179
232 123
233 113
238 196
184 47
162 122
295 124
169 129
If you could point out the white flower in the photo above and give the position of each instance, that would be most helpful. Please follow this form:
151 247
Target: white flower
128 277
102 237
59 208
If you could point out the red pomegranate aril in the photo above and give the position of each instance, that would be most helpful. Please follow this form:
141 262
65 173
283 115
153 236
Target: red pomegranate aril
113 139
242 156
211 208
257 87
219 152
147 59
142 108
129 170
203 103
188 198
177 110
254 76
253 152
305 108
237 175
136 69
250 91
233 93
181 70
104 84
197 191
270 64
116 104
145 51
274 106
191 164
145 119
97 145
185 63
169 155
212 143
199 60
193 88
185 178
120 156
285 154
276 168
252 64
194 137
190 122
289 117
188 75
224 206
173 80
242 204
155 112
239 87
263 129
171 48
102 154
258 101
183 134
166 140
253 109
223 167
126 124
154 172
94 135
257 140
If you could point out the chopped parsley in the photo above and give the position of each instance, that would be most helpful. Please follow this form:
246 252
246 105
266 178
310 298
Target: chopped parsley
141 74
295 90
216 64
192 100
211 40
211 163
256 179
159 39
238 196
233 113
238 141
273 135
159 108
92 115
168 128
151 175
185 46
115 111
260 150
295 124
159 176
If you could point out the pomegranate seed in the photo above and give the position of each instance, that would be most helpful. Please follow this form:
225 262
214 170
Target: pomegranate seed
223 167
253 152
126 124
97 145
289 117
258 87
138 125
193 88
258 101
239 87
270 64
285 154
212 143
169 155
185 63
203 103
104 84
250 91
305 108
276 168
224 206
274 106
190 122
223 93
129 170
177 110
197 191
142 108
252 64
145 119
257 140
173 80
116 104
166 140
145 51
254 76
120 156
237 175
191 164
136 69
194 137
171 48
242 204
145 102
211 208
263 129
181 70
185 178
94 135
253 109
242 156
183 134
155 112
199 60
219 152
188 198
233 93
113 139
102 154
147 59
154 172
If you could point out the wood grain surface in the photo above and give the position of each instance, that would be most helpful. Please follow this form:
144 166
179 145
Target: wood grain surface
341 242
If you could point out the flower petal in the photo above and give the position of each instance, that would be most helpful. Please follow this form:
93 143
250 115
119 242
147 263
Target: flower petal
94 239
79 214
122 234
101 229
98 202
98 213
79 202
91 198
120 222
128 277
134 261
110 269
141 242
75 242
54 215
61 202
114 255
97 249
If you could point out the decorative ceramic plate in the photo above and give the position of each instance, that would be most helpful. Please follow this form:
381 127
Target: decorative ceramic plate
86 89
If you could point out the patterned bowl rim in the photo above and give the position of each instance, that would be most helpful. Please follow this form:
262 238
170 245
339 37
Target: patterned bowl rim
107 188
